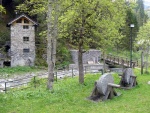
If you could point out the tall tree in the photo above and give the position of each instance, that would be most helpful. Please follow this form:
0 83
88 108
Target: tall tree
126 30
90 23
143 41
140 13
135 15
51 39
38 7
49 46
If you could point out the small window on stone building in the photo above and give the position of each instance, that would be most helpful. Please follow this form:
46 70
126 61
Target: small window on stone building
25 38
19 21
26 50
25 27
26 21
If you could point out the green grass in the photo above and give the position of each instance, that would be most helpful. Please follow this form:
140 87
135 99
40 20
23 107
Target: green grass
70 97
9 71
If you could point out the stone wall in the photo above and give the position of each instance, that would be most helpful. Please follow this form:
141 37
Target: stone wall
18 57
92 56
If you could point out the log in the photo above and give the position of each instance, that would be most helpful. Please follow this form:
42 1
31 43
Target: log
114 85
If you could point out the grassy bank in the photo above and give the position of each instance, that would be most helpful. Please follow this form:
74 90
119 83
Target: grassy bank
10 71
70 97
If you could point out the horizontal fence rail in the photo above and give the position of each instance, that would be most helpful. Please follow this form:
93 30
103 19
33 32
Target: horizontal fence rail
111 59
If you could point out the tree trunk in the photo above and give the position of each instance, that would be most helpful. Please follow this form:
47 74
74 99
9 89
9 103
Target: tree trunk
142 63
80 64
52 34
80 52
50 47
147 55
55 32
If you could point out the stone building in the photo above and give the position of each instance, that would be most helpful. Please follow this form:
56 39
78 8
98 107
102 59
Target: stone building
90 59
91 56
22 41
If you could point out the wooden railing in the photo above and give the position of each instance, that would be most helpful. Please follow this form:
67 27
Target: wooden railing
111 59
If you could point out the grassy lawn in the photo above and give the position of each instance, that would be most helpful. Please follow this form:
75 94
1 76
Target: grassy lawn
12 71
70 97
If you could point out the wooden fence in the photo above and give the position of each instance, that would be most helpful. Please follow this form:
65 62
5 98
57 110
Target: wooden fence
111 59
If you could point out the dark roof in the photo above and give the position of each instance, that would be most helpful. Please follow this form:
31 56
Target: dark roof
20 16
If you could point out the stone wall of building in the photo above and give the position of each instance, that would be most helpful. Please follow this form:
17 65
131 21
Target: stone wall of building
91 56
20 56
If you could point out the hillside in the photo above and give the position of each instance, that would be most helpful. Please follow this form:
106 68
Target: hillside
4 33
5 18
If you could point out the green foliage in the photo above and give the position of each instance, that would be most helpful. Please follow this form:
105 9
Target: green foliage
140 13
126 30
2 9
41 51
36 82
70 97
143 37
134 15
143 41
63 57
33 7
4 33
39 61
125 54
94 24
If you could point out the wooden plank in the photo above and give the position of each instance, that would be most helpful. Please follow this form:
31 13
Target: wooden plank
114 85
133 76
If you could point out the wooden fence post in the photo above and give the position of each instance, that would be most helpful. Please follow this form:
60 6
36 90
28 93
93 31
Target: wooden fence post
72 73
56 76
142 64
5 87
34 82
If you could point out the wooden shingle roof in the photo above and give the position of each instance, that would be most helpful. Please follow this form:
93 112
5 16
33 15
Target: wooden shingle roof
20 16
